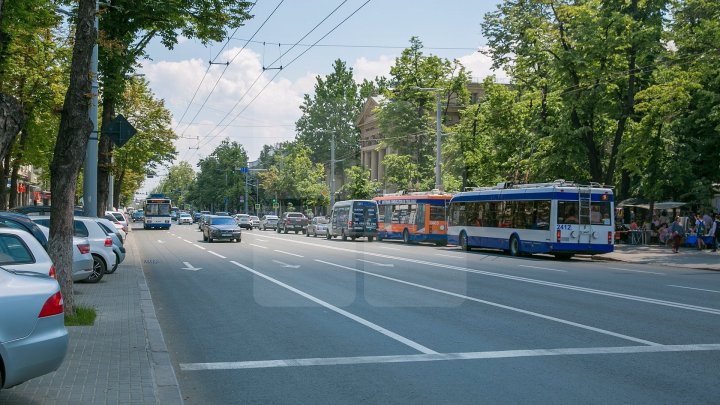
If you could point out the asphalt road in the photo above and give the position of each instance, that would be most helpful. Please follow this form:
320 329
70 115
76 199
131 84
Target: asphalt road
290 319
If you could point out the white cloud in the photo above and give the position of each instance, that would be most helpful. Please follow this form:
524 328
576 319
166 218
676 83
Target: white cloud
480 67
369 69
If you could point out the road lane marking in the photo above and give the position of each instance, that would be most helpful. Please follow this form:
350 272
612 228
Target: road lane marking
453 256
261 240
187 241
714 311
292 266
387 248
217 254
494 304
541 268
692 288
261 247
377 264
159 241
364 322
198 246
189 266
413 358
636 271
287 253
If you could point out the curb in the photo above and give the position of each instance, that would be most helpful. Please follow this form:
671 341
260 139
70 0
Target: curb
167 389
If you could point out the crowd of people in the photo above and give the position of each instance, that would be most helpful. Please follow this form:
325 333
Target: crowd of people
701 231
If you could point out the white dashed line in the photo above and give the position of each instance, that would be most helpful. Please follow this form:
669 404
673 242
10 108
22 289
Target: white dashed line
198 246
187 241
261 247
692 288
636 271
541 268
217 254
287 253
453 256
387 248
342 312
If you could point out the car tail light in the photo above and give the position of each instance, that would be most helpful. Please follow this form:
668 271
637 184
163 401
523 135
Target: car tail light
557 234
349 224
53 306
84 248
610 240
108 242
52 272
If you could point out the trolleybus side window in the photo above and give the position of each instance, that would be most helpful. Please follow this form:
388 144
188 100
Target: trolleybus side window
567 212
437 213
600 213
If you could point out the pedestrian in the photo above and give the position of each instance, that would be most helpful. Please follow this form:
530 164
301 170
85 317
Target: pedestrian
715 232
700 232
678 232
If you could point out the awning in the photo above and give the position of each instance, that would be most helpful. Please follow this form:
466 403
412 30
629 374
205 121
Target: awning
664 205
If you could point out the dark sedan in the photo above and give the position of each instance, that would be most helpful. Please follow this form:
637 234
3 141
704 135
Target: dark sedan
221 228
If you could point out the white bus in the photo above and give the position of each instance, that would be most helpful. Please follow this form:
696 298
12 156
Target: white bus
560 218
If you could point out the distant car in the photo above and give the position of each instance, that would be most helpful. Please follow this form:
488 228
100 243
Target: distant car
222 228
116 223
292 221
122 219
244 221
197 215
121 235
138 216
33 338
184 218
82 259
222 214
203 221
42 210
268 221
255 221
317 226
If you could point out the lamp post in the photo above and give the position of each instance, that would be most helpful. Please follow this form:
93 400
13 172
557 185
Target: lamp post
438 135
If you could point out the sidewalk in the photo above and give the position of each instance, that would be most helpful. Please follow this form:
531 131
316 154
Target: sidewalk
663 256
122 359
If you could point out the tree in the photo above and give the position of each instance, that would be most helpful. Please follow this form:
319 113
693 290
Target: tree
220 183
73 135
402 172
128 26
331 111
177 183
358 185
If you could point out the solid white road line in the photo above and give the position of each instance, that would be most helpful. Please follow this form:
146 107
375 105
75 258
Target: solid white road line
342 312
409 358
217 254
387 248
453 256
636 271
377 264
541 268
714 311
494 304
287 253
692 288
258 246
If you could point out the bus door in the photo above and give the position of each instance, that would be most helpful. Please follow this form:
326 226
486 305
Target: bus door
420 219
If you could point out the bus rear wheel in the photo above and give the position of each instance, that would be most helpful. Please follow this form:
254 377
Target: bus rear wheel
514 246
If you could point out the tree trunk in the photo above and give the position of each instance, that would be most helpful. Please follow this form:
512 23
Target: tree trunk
69 154
22 143
105 156
5 191
117 187
12 120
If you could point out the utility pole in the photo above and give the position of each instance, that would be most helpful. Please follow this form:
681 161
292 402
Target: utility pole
246 193
438 134
90 207
332 170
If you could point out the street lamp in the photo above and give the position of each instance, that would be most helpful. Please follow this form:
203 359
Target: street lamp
438 134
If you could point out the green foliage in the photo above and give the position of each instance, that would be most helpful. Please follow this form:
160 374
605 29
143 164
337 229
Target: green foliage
358 185
220 178
178 182
402 173
295 176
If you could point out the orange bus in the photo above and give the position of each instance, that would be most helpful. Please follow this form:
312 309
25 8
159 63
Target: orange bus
413 217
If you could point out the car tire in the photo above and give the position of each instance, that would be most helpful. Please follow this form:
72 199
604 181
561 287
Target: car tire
99 268
117 263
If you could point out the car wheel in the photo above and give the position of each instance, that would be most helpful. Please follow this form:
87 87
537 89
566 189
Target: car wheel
98 271
514 246
464 242
117 262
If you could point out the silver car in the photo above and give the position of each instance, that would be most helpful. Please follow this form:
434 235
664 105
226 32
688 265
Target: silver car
122 219
317 226
82 259
20 251
117 246
33 338
109 224
269 221
255 221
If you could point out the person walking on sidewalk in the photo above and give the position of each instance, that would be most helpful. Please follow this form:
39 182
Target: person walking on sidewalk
715 232
678 233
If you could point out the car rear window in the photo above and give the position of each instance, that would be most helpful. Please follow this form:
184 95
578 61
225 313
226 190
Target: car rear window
118 216
107 230
14 251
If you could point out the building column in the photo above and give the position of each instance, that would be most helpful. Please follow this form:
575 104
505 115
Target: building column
381 166
373 165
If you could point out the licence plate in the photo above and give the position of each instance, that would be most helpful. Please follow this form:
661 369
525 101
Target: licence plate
227 234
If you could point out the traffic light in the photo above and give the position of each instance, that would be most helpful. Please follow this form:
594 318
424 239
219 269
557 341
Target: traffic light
274 201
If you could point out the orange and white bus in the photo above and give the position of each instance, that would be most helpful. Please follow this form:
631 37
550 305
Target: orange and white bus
414 217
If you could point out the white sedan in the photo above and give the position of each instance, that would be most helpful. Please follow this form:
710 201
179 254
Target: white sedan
185 218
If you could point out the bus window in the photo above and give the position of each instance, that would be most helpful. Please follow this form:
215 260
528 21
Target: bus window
420 219
567 212
437 213
600 213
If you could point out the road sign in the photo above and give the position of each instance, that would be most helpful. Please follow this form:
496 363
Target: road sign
120 131
275 205
257 206
244 170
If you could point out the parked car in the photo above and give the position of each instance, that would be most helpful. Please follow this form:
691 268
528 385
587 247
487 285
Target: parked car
116 223
255 221
32 210
268 221
33 338
111 225
100 244
82 259
22 221
21 251
138 216
117 246
121 218
292 221
243 221
317 226
184 218
354 219
222 228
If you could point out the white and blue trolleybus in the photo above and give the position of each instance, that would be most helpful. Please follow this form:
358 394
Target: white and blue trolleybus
560 218
157 212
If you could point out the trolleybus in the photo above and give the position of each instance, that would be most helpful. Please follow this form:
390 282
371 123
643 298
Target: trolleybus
560 218
157 212
414 217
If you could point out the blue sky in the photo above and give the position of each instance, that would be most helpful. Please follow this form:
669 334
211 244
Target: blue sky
369 41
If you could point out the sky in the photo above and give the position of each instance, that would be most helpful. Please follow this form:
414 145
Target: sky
252 101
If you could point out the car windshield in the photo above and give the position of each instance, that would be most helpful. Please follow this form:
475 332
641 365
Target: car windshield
321 220
222 221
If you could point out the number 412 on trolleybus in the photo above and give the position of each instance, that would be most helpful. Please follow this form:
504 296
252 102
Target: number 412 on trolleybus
157 212
414 217
559 218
